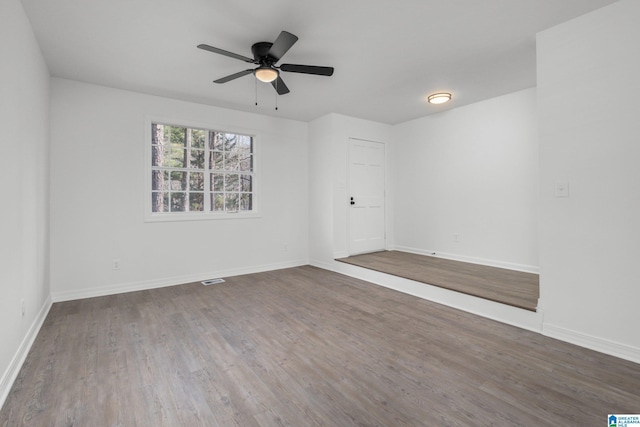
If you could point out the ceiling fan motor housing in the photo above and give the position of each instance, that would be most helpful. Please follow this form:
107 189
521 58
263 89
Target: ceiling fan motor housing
260 53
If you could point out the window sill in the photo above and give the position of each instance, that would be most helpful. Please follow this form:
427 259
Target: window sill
199 216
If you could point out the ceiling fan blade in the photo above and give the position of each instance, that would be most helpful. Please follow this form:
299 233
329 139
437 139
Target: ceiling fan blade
226 53
282 44
233 76
279 86
307 69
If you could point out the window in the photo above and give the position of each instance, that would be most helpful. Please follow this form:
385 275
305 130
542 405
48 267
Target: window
200 171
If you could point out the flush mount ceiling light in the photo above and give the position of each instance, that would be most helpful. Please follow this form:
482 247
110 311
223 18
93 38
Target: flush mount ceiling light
439 98
266 74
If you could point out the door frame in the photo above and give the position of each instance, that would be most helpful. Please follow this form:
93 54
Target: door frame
348 192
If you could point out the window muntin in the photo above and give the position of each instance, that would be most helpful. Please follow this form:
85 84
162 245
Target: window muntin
201 170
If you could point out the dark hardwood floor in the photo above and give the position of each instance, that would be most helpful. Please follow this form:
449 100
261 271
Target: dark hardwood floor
515 288
304 347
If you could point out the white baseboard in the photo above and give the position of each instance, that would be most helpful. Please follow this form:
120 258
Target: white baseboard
340 254
622 351
327 265
10 375
473 260
171 281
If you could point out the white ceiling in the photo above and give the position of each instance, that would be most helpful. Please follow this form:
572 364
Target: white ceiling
388 55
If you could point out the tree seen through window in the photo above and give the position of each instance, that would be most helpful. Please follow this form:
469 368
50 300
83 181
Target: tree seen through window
199 170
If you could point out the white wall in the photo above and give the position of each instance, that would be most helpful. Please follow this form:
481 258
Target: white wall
590 241
328 164
97 197
24 217
321 189
472 172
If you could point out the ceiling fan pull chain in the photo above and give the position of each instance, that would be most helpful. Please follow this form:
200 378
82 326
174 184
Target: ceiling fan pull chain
256 80
276 95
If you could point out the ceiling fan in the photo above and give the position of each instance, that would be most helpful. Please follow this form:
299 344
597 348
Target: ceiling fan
266 55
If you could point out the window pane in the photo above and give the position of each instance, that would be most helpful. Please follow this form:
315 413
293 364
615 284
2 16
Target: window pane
159 180
246 183
211 139
196 181
217 201
231 160
178 180
196 202
217 182
198 138
159 202
246 202
157 134
216 160
231 182
245 142
230 141
169 158
231 202
218 141
197 159
158 155
178 136
164 159
166 136
246 164
178 158
177 202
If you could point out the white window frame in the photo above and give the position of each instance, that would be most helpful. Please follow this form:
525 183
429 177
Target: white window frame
150 216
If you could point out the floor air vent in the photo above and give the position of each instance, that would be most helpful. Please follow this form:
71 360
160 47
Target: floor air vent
212 282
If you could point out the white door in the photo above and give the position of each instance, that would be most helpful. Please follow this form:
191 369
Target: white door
366 196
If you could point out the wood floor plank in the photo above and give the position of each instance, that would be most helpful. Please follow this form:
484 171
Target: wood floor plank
515 288
304 347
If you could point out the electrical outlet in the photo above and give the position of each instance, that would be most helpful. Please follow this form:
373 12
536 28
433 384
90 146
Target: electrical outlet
115 264
562 189
456 237
285 247
23 307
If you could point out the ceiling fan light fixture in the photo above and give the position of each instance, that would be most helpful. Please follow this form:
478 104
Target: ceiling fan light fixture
266 74
439 98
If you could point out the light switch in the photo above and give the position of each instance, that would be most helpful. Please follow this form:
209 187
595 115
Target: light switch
562 188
